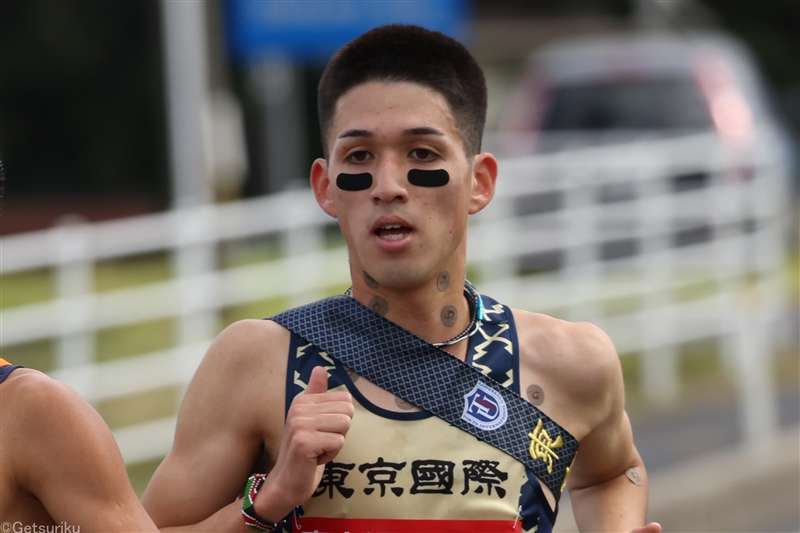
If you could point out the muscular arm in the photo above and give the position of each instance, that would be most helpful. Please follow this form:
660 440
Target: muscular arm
233 412
63 454
577 369
608 482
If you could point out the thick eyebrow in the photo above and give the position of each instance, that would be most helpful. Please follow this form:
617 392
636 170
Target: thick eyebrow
355 133
410 132
422 131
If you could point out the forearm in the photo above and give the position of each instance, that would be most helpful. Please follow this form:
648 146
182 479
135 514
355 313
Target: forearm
619 504
272 506
229 519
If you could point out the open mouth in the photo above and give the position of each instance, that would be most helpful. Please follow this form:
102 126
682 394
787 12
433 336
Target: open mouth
392 232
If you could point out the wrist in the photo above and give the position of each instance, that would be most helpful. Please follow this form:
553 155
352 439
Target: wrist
255 516
271 503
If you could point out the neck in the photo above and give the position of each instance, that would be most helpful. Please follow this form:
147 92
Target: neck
436 311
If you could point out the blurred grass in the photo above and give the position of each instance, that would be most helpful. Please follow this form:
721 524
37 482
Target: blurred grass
250 251
28 287
259 309
140 474
700 359
698 362
621 305
697 290
140 338
138 408
131 271
39 355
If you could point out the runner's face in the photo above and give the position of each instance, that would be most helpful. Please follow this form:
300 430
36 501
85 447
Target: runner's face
402 234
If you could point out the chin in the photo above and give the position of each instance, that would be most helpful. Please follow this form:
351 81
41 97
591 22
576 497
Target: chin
401 277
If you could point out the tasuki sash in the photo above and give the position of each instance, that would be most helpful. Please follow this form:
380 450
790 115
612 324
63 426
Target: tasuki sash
427 376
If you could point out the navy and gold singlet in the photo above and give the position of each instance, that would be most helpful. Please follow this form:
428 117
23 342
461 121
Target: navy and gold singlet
402 472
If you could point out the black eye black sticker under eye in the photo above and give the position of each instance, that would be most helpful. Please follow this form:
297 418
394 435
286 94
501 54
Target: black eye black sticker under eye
428 178
354 182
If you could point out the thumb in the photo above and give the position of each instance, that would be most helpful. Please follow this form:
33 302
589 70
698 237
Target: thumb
318 382
318 474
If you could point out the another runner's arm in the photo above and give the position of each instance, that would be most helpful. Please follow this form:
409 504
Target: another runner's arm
234 401
608 482
65 456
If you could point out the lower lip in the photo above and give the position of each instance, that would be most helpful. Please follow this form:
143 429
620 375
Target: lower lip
393 245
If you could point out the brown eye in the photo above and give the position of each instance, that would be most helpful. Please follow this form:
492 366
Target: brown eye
423 154
358 157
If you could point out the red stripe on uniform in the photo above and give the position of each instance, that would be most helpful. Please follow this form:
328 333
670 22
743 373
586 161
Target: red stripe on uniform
378 525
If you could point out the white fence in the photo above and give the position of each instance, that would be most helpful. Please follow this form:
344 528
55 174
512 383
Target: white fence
629 238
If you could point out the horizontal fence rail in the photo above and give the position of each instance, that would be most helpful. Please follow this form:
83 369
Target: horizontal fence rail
660 243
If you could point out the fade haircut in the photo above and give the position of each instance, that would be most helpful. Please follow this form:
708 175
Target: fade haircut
406 53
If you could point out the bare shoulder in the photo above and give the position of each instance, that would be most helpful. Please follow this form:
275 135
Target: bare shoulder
65 464
248 339
28 395
248 347
562 347
252 354
44 420
577 361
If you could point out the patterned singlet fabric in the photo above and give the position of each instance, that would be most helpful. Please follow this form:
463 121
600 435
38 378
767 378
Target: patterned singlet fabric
6 369
411 471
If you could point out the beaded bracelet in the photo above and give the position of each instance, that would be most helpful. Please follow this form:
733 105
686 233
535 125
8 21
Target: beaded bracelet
251 519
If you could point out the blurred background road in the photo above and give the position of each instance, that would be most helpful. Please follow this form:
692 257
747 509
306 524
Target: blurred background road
156 158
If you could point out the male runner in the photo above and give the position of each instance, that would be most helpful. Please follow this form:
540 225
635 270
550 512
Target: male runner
59 464
402 111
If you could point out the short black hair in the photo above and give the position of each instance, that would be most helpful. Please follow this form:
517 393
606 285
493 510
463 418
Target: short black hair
407 53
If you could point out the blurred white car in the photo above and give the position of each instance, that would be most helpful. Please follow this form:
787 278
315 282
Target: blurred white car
612 89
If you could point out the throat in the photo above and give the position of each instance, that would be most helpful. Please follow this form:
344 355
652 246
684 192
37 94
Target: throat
451 320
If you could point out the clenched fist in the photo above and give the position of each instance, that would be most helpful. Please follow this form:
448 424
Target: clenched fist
315 429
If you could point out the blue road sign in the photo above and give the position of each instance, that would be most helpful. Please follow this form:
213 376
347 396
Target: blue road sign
312 30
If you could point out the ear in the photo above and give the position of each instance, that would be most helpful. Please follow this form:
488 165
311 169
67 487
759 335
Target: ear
484 172
321 186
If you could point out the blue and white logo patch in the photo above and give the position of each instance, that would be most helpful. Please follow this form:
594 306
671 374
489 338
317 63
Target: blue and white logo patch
484 407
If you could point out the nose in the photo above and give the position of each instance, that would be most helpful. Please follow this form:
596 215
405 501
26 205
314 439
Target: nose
390 183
